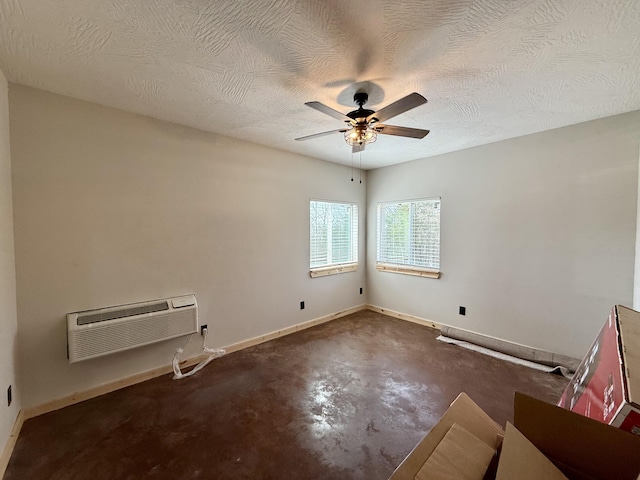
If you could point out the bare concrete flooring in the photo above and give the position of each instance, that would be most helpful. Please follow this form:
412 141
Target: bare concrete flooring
343 400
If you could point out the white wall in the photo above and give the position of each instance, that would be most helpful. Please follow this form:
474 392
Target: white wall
112 208
538 234
8 322
636 273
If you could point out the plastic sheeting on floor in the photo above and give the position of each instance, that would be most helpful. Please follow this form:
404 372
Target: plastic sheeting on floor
559 370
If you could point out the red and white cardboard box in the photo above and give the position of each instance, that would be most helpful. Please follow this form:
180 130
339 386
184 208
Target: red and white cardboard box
606 385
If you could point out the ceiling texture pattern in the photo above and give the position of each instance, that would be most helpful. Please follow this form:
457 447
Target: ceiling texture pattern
491 69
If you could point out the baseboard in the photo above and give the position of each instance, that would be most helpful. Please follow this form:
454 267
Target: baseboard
504 346
514 349
78 397
72 399
11 443
404 316
157 372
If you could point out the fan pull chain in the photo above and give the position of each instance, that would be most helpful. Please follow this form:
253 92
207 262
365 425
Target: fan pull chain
360 166
352 165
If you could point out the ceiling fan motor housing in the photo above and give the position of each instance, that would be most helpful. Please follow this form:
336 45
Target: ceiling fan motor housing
360 98
360 115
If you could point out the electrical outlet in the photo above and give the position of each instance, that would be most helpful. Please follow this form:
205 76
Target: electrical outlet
9 396
360 290
202 327
301 305
462 311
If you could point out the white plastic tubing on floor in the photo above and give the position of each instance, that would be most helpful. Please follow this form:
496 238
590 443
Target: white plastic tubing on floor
214 353
509 358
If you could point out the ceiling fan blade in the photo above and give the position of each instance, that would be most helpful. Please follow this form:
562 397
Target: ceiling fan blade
321 107
412 100
322 134
358 147
401 131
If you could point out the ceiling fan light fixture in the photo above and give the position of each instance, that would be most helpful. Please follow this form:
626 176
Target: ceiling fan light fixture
360 136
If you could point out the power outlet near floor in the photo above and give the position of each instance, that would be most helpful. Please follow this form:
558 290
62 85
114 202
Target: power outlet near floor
9 396
360 290
462 311
302 305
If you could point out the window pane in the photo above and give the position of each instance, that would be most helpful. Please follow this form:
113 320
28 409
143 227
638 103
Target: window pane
425 235
394 233
319 217
409 233
333 233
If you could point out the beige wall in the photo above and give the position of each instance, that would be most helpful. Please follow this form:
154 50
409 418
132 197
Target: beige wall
112 208
538 234
8 322
636 272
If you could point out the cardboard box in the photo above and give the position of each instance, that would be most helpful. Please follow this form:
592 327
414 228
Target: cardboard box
582 448
579 447
606 386
459 456
463 412
522 460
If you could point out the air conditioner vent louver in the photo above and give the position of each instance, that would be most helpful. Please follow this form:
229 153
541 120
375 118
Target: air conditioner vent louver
86 318
100 332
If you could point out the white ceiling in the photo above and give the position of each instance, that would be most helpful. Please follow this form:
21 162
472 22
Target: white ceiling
491 69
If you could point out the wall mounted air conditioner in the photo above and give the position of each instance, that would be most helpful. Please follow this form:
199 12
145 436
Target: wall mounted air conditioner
94 333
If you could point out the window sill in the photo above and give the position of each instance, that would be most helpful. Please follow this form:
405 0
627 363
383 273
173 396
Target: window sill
333 270
408 270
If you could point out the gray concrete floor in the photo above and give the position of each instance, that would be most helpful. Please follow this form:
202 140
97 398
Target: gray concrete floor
347 399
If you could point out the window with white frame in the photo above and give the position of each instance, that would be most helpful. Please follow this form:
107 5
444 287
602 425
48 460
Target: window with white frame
333 237
409 237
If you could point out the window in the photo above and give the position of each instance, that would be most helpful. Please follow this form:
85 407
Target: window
333 237
409 237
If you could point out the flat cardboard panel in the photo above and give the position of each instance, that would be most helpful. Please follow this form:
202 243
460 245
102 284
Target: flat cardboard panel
465 413
629 321
576 443
459 456
521 460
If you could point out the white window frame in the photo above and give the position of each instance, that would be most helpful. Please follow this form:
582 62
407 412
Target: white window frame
408 267
333 267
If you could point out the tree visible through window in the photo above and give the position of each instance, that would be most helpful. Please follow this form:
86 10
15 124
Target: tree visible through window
409 233
333 233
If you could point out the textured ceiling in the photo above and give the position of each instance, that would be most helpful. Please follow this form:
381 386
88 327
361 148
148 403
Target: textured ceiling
491 69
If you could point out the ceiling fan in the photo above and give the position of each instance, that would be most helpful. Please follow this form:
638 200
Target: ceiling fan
363 125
